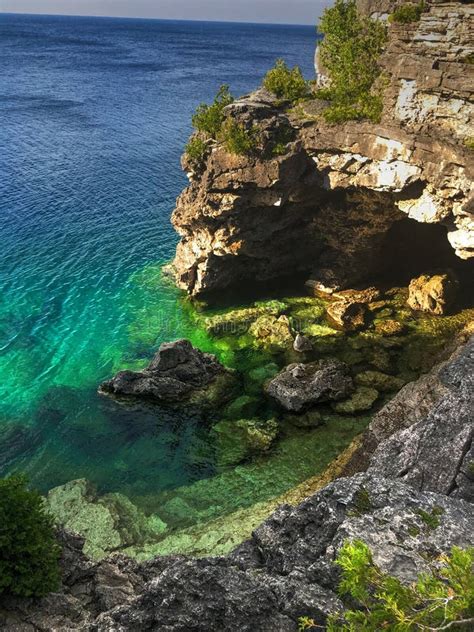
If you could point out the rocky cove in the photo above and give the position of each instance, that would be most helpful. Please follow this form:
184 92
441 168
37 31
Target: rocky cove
331 283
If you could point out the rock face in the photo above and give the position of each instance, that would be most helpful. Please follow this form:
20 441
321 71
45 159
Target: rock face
300 386
178 372
285 571
326 210
435 453
434 294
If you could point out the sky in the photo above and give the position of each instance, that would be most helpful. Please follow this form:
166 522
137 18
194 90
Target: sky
270 11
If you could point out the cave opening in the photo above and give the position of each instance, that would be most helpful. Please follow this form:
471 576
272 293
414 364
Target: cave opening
410 248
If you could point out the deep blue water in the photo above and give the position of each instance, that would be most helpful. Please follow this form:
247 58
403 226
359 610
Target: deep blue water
94 115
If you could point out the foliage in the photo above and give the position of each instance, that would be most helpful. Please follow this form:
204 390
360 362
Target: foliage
280 140
469 143
305 623
362 502
349 54
406 13
431 519
196 148
29 553
442 599
209 118
286 83
237 138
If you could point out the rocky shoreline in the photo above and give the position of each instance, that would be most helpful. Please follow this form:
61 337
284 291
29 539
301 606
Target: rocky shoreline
286 569
371 227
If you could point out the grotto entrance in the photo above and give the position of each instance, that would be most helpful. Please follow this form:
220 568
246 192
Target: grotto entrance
410 248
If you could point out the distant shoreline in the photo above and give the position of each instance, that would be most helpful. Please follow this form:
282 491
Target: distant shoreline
143 19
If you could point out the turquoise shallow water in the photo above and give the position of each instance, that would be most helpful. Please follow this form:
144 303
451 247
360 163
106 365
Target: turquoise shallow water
95 113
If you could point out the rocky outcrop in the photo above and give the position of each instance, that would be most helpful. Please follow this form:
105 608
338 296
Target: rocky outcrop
300 386
177 373
435 294
334 207
436 404
286 570
283 572
435 453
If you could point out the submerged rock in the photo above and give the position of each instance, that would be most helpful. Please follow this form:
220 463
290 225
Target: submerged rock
302 344
272 331
363 399
380 381
347 314
434 294
300 386
107 523
310 419
389 327
238 440
178 372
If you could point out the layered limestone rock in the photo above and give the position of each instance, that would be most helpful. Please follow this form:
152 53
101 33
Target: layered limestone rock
324 209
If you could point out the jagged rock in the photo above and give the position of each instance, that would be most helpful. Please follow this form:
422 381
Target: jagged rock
300 386
283 572
272 331
389 327
302 344
244 406
237 440
434 294
429 454
347 314
107 523
362 399
310 419
177 372
380 381
367 295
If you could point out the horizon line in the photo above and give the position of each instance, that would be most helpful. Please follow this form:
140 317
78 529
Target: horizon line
156 19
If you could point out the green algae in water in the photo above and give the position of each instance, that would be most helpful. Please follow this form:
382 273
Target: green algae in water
56 428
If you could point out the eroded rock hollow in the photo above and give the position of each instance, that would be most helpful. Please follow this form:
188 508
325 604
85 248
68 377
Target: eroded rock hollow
334 208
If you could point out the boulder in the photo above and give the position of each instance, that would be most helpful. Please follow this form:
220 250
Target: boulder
302 344
347 314
431 453
389 327
300 386
177 372
107 523
310 419
362 399
433 293
367 295
238 440
380 381
271 331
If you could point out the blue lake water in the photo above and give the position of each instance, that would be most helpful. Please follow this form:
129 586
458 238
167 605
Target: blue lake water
94 115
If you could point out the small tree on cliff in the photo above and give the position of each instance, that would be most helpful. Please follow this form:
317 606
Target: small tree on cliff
349 54
29 553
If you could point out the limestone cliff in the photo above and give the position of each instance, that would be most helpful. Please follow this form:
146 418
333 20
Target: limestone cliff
331 208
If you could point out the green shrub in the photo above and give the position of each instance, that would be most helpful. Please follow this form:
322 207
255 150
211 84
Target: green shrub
441 599
237 138
406 13
469 143
209 118
196 148
280 140
29 553
286 83
349 54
